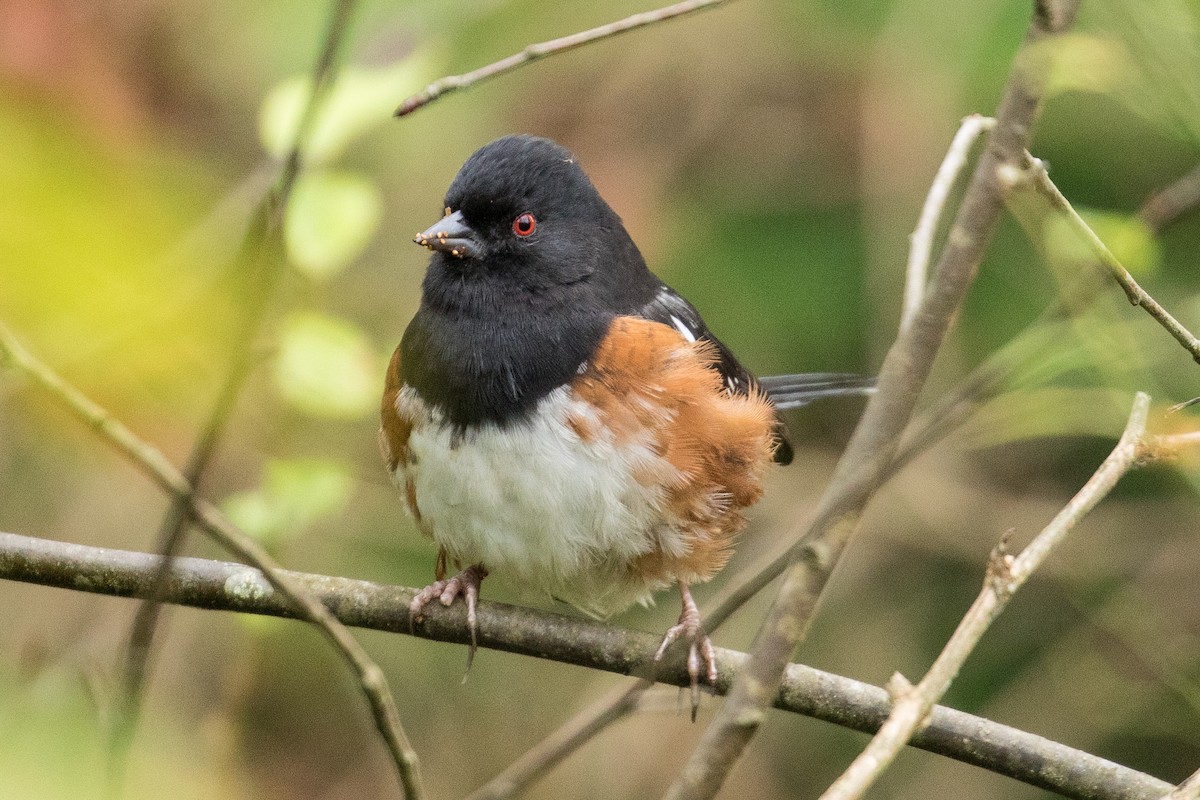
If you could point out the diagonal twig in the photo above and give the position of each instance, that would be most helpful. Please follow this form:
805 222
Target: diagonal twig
1005 575
937 422
1166 206
870 451
535 52
259 264
297 598
568 738
202 583
1025 179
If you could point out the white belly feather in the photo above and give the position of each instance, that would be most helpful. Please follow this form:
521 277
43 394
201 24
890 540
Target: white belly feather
537 505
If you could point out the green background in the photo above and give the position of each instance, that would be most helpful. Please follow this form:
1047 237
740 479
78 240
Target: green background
770 158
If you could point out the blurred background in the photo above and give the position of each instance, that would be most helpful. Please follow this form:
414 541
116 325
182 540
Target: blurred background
770 158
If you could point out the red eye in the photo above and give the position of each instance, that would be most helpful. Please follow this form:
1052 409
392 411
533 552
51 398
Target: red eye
524 225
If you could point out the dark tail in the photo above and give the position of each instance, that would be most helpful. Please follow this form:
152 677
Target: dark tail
794 391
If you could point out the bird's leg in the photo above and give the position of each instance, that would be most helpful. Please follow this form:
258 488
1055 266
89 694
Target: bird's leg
445 590
700 646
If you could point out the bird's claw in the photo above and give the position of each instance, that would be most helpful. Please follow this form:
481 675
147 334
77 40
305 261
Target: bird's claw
466 585
700 647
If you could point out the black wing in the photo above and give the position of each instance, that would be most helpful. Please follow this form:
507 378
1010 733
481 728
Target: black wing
669 308
785 391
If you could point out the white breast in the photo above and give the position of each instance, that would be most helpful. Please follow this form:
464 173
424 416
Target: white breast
534 502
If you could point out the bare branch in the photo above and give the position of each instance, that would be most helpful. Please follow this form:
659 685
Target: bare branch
936 422
1023 180
1005 576
535 52
1167 205
864 465
295 596
260 260
921 247
569 737
201 583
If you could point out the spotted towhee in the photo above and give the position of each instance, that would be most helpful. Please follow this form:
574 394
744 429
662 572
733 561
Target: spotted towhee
558 415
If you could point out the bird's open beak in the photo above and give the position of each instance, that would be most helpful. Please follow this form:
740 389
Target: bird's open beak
451 234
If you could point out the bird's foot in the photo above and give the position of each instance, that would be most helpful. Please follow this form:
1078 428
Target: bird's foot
466 585
700 647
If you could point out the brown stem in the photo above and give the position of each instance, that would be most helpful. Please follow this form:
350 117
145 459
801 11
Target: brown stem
864 465
201 583
299 601
536 52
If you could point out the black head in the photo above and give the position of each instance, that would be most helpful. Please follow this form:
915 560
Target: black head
522 212
529 267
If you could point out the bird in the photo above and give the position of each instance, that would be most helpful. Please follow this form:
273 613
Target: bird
558 415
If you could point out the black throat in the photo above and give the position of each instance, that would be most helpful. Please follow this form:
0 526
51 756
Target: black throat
480 350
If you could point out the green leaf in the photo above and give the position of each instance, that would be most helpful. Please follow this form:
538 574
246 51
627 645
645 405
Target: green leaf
1052 411
326 367
255 514
294 494
1086 63
1127 237
359 99
330 219
309 487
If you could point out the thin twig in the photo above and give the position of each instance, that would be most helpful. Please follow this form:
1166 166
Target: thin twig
1026 178
297 598
920 251
864 465
566 739
258 265
943 417
1169 204
201 583
935 423
1005 576
535 52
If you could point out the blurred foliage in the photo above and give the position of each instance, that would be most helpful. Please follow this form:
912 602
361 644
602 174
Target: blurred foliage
326 367
330 219
294 494
770 158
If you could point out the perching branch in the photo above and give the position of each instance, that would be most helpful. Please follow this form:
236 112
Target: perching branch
864 464
946 415
535 52
210 519
260 261
1005 576
1026 182
201 583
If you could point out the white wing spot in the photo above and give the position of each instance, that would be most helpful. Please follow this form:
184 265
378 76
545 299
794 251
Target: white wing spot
683 328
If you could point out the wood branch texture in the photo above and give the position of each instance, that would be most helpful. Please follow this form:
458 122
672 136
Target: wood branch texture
221 530
261 260
863 467
217 585
1005 576
1026 182
920 251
